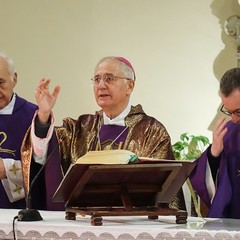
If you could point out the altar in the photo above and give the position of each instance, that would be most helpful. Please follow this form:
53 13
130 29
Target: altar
54 226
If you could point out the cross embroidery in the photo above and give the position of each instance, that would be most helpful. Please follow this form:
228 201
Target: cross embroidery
17 189
14 169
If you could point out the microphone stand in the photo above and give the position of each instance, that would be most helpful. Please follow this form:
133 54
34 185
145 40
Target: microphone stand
30 214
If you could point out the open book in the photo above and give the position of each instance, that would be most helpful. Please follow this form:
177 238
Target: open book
118 156
107 157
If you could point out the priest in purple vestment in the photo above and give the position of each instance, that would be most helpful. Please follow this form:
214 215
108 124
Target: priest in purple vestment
217 175
15 118
117 125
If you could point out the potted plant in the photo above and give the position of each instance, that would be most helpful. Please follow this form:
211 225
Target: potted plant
190 147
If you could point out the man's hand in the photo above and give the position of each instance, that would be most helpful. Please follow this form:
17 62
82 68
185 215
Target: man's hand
218 134
45 99
2 170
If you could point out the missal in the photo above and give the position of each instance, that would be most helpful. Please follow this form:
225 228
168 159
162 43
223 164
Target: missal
118 156
108 157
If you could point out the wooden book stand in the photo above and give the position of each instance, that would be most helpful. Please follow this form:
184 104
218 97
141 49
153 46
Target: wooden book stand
141 189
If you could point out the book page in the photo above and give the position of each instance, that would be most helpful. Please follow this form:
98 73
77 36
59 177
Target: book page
107 157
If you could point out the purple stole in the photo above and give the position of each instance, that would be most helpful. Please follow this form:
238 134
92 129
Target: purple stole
49 179
108 134
53 175
12 131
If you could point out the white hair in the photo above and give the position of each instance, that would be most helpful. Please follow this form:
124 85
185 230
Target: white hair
126 70
11 67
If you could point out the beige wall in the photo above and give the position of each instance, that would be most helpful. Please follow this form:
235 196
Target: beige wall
178 48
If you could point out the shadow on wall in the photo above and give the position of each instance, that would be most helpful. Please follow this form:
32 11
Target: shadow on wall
226 59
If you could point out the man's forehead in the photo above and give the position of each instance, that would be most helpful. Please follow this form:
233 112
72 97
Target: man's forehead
108 66
3 65
231 104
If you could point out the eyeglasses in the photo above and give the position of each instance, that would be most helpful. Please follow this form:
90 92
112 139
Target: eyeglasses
107 79
225 111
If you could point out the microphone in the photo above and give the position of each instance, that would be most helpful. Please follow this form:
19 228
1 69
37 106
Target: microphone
30 214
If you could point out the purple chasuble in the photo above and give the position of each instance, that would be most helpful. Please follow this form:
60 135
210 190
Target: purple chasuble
12 130
226 202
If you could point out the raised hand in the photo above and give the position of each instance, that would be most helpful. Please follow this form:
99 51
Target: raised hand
45 99
218 134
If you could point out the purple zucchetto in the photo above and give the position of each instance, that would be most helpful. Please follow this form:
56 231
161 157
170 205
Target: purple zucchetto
122 59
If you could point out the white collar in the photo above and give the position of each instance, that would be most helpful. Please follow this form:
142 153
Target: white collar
9 108
119 120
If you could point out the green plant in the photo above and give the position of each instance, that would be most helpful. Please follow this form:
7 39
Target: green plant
189 147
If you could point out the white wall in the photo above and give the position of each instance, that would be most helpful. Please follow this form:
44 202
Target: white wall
178 48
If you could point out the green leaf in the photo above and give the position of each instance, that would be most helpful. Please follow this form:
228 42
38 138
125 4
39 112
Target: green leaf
189 147
178 146
177 155
184 137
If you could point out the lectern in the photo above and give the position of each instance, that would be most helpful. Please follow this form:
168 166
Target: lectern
140 189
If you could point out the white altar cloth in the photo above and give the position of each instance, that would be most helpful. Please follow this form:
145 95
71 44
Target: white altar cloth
54 226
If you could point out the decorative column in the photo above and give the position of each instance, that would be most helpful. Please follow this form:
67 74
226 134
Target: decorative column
232 28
